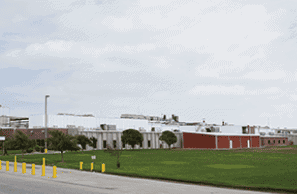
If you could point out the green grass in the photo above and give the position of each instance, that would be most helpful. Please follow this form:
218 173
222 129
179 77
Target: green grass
266 169
12 152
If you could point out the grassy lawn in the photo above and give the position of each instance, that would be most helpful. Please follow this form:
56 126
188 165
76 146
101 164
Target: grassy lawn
273 167
12 152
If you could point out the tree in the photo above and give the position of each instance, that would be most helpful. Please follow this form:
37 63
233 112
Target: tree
169 137
93 142
73 146
21 141
131 137
9 144
164 117
83 141
60 142
114 152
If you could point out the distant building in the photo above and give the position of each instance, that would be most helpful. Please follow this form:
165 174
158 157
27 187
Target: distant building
14 122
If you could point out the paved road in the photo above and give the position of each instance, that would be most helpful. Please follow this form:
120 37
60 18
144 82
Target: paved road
87 182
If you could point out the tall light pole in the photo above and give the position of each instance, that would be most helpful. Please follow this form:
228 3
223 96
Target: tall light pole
45 119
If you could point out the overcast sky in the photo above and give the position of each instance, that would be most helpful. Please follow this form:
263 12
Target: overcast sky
231 60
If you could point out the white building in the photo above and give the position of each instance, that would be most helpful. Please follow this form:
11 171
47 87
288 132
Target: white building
64 121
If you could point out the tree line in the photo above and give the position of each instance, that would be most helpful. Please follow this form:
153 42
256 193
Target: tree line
62 142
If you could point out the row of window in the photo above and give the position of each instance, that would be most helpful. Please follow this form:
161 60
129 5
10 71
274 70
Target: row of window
115 144
274 141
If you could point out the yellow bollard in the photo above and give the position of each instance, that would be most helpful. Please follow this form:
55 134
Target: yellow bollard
24 168
15 167
0 165
33 169
43 170
7 165
54 172
45 150
43 161
92 166
15 158
103 167
80 167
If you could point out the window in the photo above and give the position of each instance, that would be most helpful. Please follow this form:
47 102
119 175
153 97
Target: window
278 141
114 143
273 141
149 143
104 144
283 141
269 141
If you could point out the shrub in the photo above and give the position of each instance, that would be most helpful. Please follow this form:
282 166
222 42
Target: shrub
29 150
37 148
291 143
42 149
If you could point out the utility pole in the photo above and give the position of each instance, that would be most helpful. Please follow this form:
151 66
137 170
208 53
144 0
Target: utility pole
45 119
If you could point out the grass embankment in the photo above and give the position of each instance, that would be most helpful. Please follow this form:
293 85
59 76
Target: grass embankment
271 169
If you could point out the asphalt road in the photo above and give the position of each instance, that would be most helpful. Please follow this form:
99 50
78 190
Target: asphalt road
87 182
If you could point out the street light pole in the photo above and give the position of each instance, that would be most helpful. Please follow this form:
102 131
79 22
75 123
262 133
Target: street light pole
45 119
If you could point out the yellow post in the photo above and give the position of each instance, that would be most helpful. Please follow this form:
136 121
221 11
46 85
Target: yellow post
15 164
15 167
92 166
7 165
44 161
33 169
45 150
24 168
43 170
103 167
54 172
80 167
0 165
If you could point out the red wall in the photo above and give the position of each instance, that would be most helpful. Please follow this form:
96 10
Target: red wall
276 139
37 134
6 132
223 142
194 140
255 141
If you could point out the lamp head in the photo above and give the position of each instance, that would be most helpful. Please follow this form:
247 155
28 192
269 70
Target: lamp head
47 96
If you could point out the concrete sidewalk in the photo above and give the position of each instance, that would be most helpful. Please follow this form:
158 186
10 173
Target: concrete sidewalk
111 183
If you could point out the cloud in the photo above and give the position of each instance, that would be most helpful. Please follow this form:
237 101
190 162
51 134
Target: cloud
264 75
231 90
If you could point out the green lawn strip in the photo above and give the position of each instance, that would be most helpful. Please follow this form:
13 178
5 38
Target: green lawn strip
248 169
12 152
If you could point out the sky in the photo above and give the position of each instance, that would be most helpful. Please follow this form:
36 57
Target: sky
219 60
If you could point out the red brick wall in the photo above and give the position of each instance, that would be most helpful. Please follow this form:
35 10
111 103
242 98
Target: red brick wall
6 132
194 140
255 141
235 141
224 141
37 134
276 139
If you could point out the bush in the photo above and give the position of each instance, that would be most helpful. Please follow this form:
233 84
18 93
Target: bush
37 148
29 150
42 149
291 143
